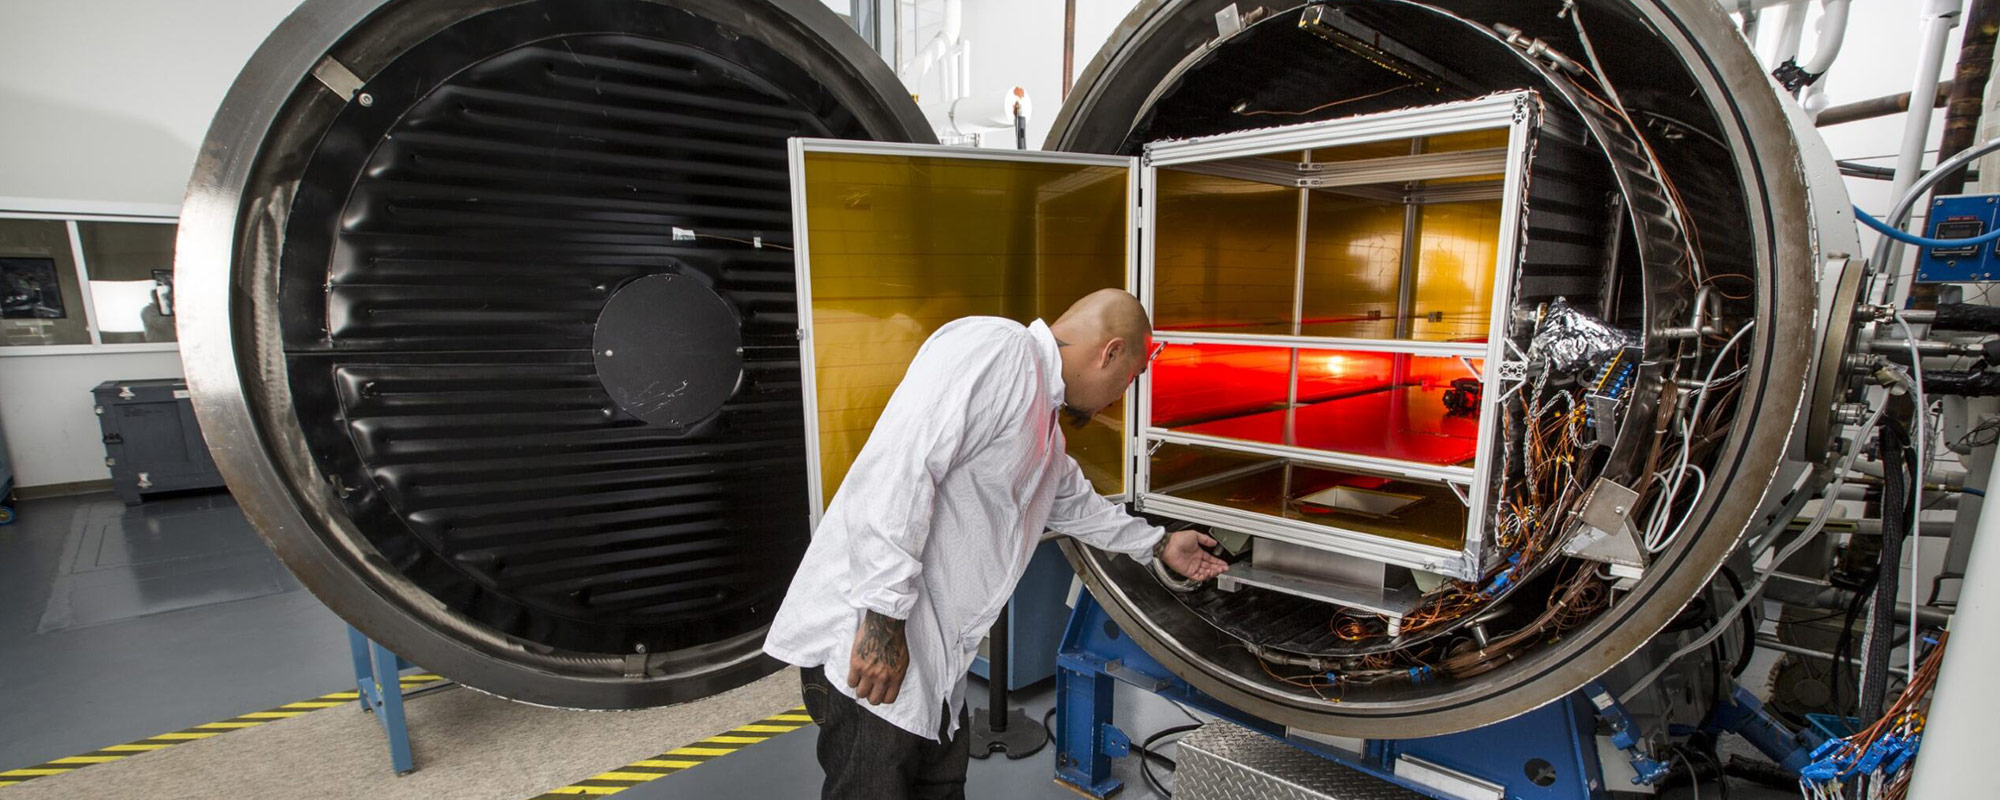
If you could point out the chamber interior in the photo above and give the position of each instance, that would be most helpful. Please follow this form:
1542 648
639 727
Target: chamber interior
1352 327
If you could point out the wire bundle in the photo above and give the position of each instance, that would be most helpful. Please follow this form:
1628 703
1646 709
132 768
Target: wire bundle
1878 759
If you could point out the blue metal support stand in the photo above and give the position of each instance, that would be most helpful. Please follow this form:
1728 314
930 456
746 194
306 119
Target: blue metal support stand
1546 754
377 675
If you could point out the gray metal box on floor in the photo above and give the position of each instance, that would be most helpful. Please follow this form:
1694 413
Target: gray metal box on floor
151 440
1223 761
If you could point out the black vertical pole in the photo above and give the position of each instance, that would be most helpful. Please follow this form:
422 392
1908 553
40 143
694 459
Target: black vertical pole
1000 726
996 673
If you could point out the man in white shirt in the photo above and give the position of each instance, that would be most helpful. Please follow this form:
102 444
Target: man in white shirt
933 526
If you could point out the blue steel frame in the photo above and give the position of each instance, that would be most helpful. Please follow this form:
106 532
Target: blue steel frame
1095 652
377 675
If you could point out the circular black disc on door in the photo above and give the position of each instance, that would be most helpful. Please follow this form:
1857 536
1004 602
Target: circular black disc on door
391 297
668 350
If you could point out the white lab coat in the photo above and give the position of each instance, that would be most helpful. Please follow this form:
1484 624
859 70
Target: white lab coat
944 505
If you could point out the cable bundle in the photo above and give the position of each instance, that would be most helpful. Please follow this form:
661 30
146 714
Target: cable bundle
1877 760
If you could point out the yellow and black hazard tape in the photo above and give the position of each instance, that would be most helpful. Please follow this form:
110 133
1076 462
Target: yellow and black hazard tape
63 766
680 758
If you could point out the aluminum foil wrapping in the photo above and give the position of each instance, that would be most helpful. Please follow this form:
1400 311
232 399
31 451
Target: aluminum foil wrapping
1569 339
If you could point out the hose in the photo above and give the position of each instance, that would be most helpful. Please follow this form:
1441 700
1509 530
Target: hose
1906 237
1901 212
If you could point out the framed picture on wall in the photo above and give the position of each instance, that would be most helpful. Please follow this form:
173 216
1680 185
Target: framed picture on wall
29 289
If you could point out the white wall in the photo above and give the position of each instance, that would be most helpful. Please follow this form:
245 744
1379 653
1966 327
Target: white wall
108 99
1019 43
45 404
104 101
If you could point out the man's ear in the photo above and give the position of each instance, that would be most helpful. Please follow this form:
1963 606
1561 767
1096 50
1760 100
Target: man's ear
1113 350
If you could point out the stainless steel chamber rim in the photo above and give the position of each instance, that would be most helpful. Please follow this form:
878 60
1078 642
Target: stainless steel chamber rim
240 222
1167 77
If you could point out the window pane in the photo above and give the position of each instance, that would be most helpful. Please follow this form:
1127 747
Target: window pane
40 303
131 279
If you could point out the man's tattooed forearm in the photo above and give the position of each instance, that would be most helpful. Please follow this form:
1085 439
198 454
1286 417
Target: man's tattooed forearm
881 639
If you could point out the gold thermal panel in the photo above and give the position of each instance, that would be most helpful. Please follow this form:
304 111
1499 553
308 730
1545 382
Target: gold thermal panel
904 244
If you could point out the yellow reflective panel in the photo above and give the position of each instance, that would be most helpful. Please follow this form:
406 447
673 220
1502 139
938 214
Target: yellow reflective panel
1225 256
1353 264
1406 510
900 245
1466 140
1353 268
1454 297
1386 148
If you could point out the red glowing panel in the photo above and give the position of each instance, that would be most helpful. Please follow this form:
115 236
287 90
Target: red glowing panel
1193 383
1384 405
1407 423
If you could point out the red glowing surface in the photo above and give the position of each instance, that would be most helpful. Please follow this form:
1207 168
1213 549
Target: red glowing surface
1384 405
1407 423
1198 382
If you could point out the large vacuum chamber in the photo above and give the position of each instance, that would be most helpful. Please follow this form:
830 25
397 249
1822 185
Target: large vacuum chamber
432 251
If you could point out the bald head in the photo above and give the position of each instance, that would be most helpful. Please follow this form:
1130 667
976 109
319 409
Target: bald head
1106 341
1105 314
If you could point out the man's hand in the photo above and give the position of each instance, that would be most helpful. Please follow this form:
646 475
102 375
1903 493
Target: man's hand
880 657
1183 552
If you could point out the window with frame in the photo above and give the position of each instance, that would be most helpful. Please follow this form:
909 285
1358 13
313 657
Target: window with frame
86 281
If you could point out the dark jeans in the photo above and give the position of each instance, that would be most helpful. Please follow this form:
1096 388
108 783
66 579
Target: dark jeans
864 756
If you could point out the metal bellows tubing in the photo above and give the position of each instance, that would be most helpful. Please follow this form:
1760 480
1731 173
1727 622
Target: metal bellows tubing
1689 83
404 224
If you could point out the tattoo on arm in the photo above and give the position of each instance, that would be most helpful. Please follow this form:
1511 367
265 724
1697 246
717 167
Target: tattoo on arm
882 640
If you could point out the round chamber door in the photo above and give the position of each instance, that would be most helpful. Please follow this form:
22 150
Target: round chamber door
488 312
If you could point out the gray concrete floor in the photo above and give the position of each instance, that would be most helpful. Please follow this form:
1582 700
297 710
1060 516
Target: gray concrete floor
119 623
785 767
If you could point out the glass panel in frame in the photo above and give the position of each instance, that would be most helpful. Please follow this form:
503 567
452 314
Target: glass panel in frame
131 279
40 302
900 243
1405 510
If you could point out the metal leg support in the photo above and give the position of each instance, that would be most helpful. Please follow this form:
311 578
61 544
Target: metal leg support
377 678
1086 741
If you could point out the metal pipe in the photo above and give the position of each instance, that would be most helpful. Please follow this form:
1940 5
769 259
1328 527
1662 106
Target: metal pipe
1928 348
1956 734
1069 46
1855 169
1949 480
1968 89
1938 18
1791 32
1874 107
1742 6
1978 470
1805 592
1832 32
1767 640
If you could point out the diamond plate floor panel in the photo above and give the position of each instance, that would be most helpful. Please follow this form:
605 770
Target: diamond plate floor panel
1224 762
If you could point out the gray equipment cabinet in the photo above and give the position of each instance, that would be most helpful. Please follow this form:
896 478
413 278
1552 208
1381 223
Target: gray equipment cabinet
151 440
